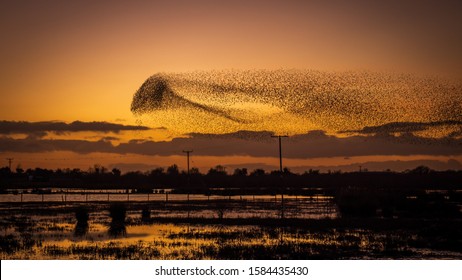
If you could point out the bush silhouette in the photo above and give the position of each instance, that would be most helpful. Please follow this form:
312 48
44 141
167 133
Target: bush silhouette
82 216
117 226
146 214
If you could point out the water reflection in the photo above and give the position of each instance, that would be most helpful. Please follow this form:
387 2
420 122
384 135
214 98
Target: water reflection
173 241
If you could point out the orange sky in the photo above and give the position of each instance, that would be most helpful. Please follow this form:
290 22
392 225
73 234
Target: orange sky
66 61
84 60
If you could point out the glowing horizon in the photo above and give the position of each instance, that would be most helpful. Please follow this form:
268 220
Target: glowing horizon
379 66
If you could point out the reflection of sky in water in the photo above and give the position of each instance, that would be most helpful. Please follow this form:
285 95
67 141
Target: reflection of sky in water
245 206
168 241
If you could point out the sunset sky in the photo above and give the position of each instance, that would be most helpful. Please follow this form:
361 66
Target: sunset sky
69 61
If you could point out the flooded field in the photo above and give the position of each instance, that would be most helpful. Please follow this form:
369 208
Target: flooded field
194 205
231 228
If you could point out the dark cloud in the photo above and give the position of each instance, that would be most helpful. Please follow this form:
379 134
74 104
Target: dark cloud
11 127
31 145
310 145
37 134
242 134
404 127
109 138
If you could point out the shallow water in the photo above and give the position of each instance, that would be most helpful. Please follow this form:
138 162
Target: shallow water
242 206
52 237
216 227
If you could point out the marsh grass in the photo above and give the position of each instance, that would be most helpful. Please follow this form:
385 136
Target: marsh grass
169 241
40 233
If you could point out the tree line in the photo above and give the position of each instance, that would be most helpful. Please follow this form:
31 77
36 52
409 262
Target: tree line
218 178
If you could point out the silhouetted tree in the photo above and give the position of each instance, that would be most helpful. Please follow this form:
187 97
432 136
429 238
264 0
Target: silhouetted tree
422 169
240 172
116 172
5 171
157 172
173 170
258 172
117 227
194 171
286 171
19 170
218 170
312 172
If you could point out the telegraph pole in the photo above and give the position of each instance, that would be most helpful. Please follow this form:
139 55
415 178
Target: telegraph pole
187 157
280 150
10 160
280 170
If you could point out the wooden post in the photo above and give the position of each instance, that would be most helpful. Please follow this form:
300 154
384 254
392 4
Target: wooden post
188 208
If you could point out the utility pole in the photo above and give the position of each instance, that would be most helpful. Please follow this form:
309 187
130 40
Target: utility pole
280 150
280 170
187 157
10 160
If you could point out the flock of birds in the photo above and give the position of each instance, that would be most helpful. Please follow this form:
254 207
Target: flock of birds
297 101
